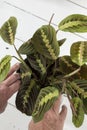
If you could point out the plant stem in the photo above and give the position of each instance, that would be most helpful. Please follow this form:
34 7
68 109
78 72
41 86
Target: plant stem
57 31
71 104
16 58
72 73
51 19
64 85
21 59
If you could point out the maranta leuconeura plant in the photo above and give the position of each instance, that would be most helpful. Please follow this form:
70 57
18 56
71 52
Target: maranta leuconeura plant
44 73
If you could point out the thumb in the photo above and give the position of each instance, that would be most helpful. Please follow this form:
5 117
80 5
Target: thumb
63 113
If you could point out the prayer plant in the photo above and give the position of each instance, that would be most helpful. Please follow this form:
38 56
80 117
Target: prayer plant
44 73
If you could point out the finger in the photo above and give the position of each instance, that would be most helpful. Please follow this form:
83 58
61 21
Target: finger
56 106
11 79
14 88
14 68
63 113
2 109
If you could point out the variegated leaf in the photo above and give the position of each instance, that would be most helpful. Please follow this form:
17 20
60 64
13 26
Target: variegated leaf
27 48
36 61
8 30
44 102
78 116
82 83
74 23
67 66
45 42
26 97
78 52
77 87
4 67
25 73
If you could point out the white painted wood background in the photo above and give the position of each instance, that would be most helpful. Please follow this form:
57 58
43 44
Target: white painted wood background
32 14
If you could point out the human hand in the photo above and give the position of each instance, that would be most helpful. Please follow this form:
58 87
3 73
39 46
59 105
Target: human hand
9 86
53 119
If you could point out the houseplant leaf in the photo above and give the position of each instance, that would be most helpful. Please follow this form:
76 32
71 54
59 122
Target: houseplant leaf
78 116
25 73
78 52
74 23
83 85
26 48
83 72
36 61
66 62
78 88
44 102
61 42
45 42
4 67
85 105
8 30
26 97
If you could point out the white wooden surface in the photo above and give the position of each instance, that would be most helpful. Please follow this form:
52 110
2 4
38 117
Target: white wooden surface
32 14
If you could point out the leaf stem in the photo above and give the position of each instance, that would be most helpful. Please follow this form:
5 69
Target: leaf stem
51 19
64 86
16 58
21 59
71 104
72 73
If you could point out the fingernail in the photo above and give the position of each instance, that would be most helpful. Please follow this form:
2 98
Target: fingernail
64 107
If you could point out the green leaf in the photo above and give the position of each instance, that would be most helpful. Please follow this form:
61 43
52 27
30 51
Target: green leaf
85 105
78 89
78 52
82 83
44 102
26 48
36 61
45 42
25 73
78 116
4 67
74 23
83 72
26 97
8 30
66 62
61 42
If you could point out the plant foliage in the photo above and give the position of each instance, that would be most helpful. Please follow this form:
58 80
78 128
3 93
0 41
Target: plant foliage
44 73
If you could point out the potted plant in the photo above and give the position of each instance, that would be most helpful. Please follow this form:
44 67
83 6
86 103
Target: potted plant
44 73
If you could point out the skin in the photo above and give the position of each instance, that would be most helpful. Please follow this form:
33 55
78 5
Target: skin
9 86
53 119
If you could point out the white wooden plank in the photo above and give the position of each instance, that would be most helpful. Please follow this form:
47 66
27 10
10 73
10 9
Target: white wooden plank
12 119
40 10
80 3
